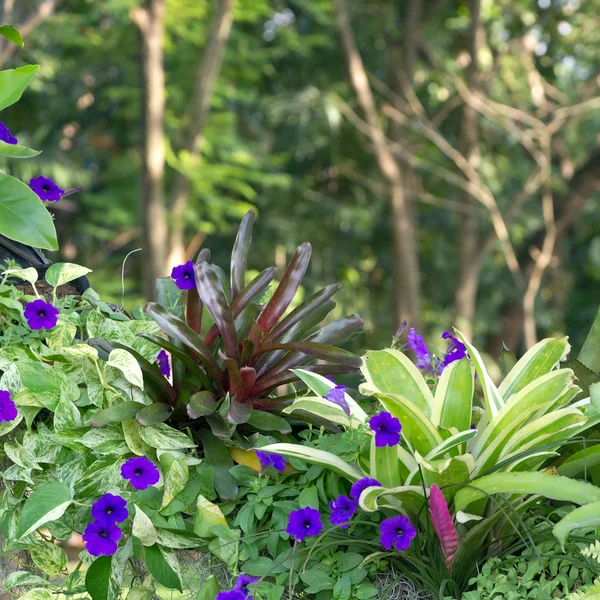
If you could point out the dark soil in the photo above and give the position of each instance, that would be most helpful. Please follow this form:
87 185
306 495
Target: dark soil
45 290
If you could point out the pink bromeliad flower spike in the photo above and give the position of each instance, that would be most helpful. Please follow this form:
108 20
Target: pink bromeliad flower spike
443 524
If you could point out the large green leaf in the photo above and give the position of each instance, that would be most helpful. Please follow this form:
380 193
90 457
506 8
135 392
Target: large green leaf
103 578
537 361
163 566
550 486
47 503
142 527
11 34
23 217
13 83
453 400
116 413
590 353
217 456
209 590
163 437
62 273
385 466
580 461
584 516
392 372
16 151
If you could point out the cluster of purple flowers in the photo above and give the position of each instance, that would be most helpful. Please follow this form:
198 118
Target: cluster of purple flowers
8 410
455 351
41 315
102 535
240 590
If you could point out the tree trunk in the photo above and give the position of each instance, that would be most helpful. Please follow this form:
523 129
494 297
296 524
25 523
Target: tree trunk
465 300
151 21
219 30
406 263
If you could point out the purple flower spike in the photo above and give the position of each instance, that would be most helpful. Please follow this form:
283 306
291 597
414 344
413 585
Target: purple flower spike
101 538
337 396
141 472
8 410
242 583
304 522
342 510
387 429
6 136
163 363
110 508
417 343
456 350
232 595
41 315
271 460
183 275
397 533
361 485
46 189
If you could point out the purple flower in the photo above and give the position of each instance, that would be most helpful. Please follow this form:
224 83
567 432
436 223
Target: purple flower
456 350
46 189
232 595
271 460
342 510
141 472
418 346
242 583
473 426
400 329
41 315
101 538
387 429
163 363
6 135
361 485
184 276
304 522
8 410
397 532
110 508
337 396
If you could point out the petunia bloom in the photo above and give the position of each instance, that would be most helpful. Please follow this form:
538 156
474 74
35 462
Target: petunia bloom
41 315
110 508
387 429
6 136
183 275
231 595
361 485
342 510
101 538
304 522
417 343
8 410
242 583
163 363
141 472
271 460
337 395
397 533
46 189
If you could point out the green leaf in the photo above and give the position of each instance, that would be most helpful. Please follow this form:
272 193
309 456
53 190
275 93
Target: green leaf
209 589
13 83
316 457
115 413
201 404
163 566
154 414
584 516
175 480
317 581
265 421
22 578
163 437
365 591
62 273
11 34
108 440
128 365
207 516
453 400
47 503
17 151
49 558
66 415
37 594
23 217
550 486
507 360
29 274
140 593
385 466
142 527
239 254
309 497
103 578
343 588
590 353
320 408
217 456
452 442
131 432
580 461
392 372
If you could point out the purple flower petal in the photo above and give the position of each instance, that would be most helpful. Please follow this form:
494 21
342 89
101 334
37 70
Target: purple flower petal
342 510
8 410
46 189
337 395
184 277
110 508
141 472
418 346
304 522
6 136
163 363
397 533
361 485
102 538
41 315
387 429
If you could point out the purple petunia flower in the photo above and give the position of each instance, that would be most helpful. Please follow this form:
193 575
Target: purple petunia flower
271 460
232 595
141 472
46 189
8 410
387 429
456 350
337 396
101 538
41 315
473 426
6 136
418 346
342 510
163 363
110 508
304 522
183 275
361 485
397 533
242 583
